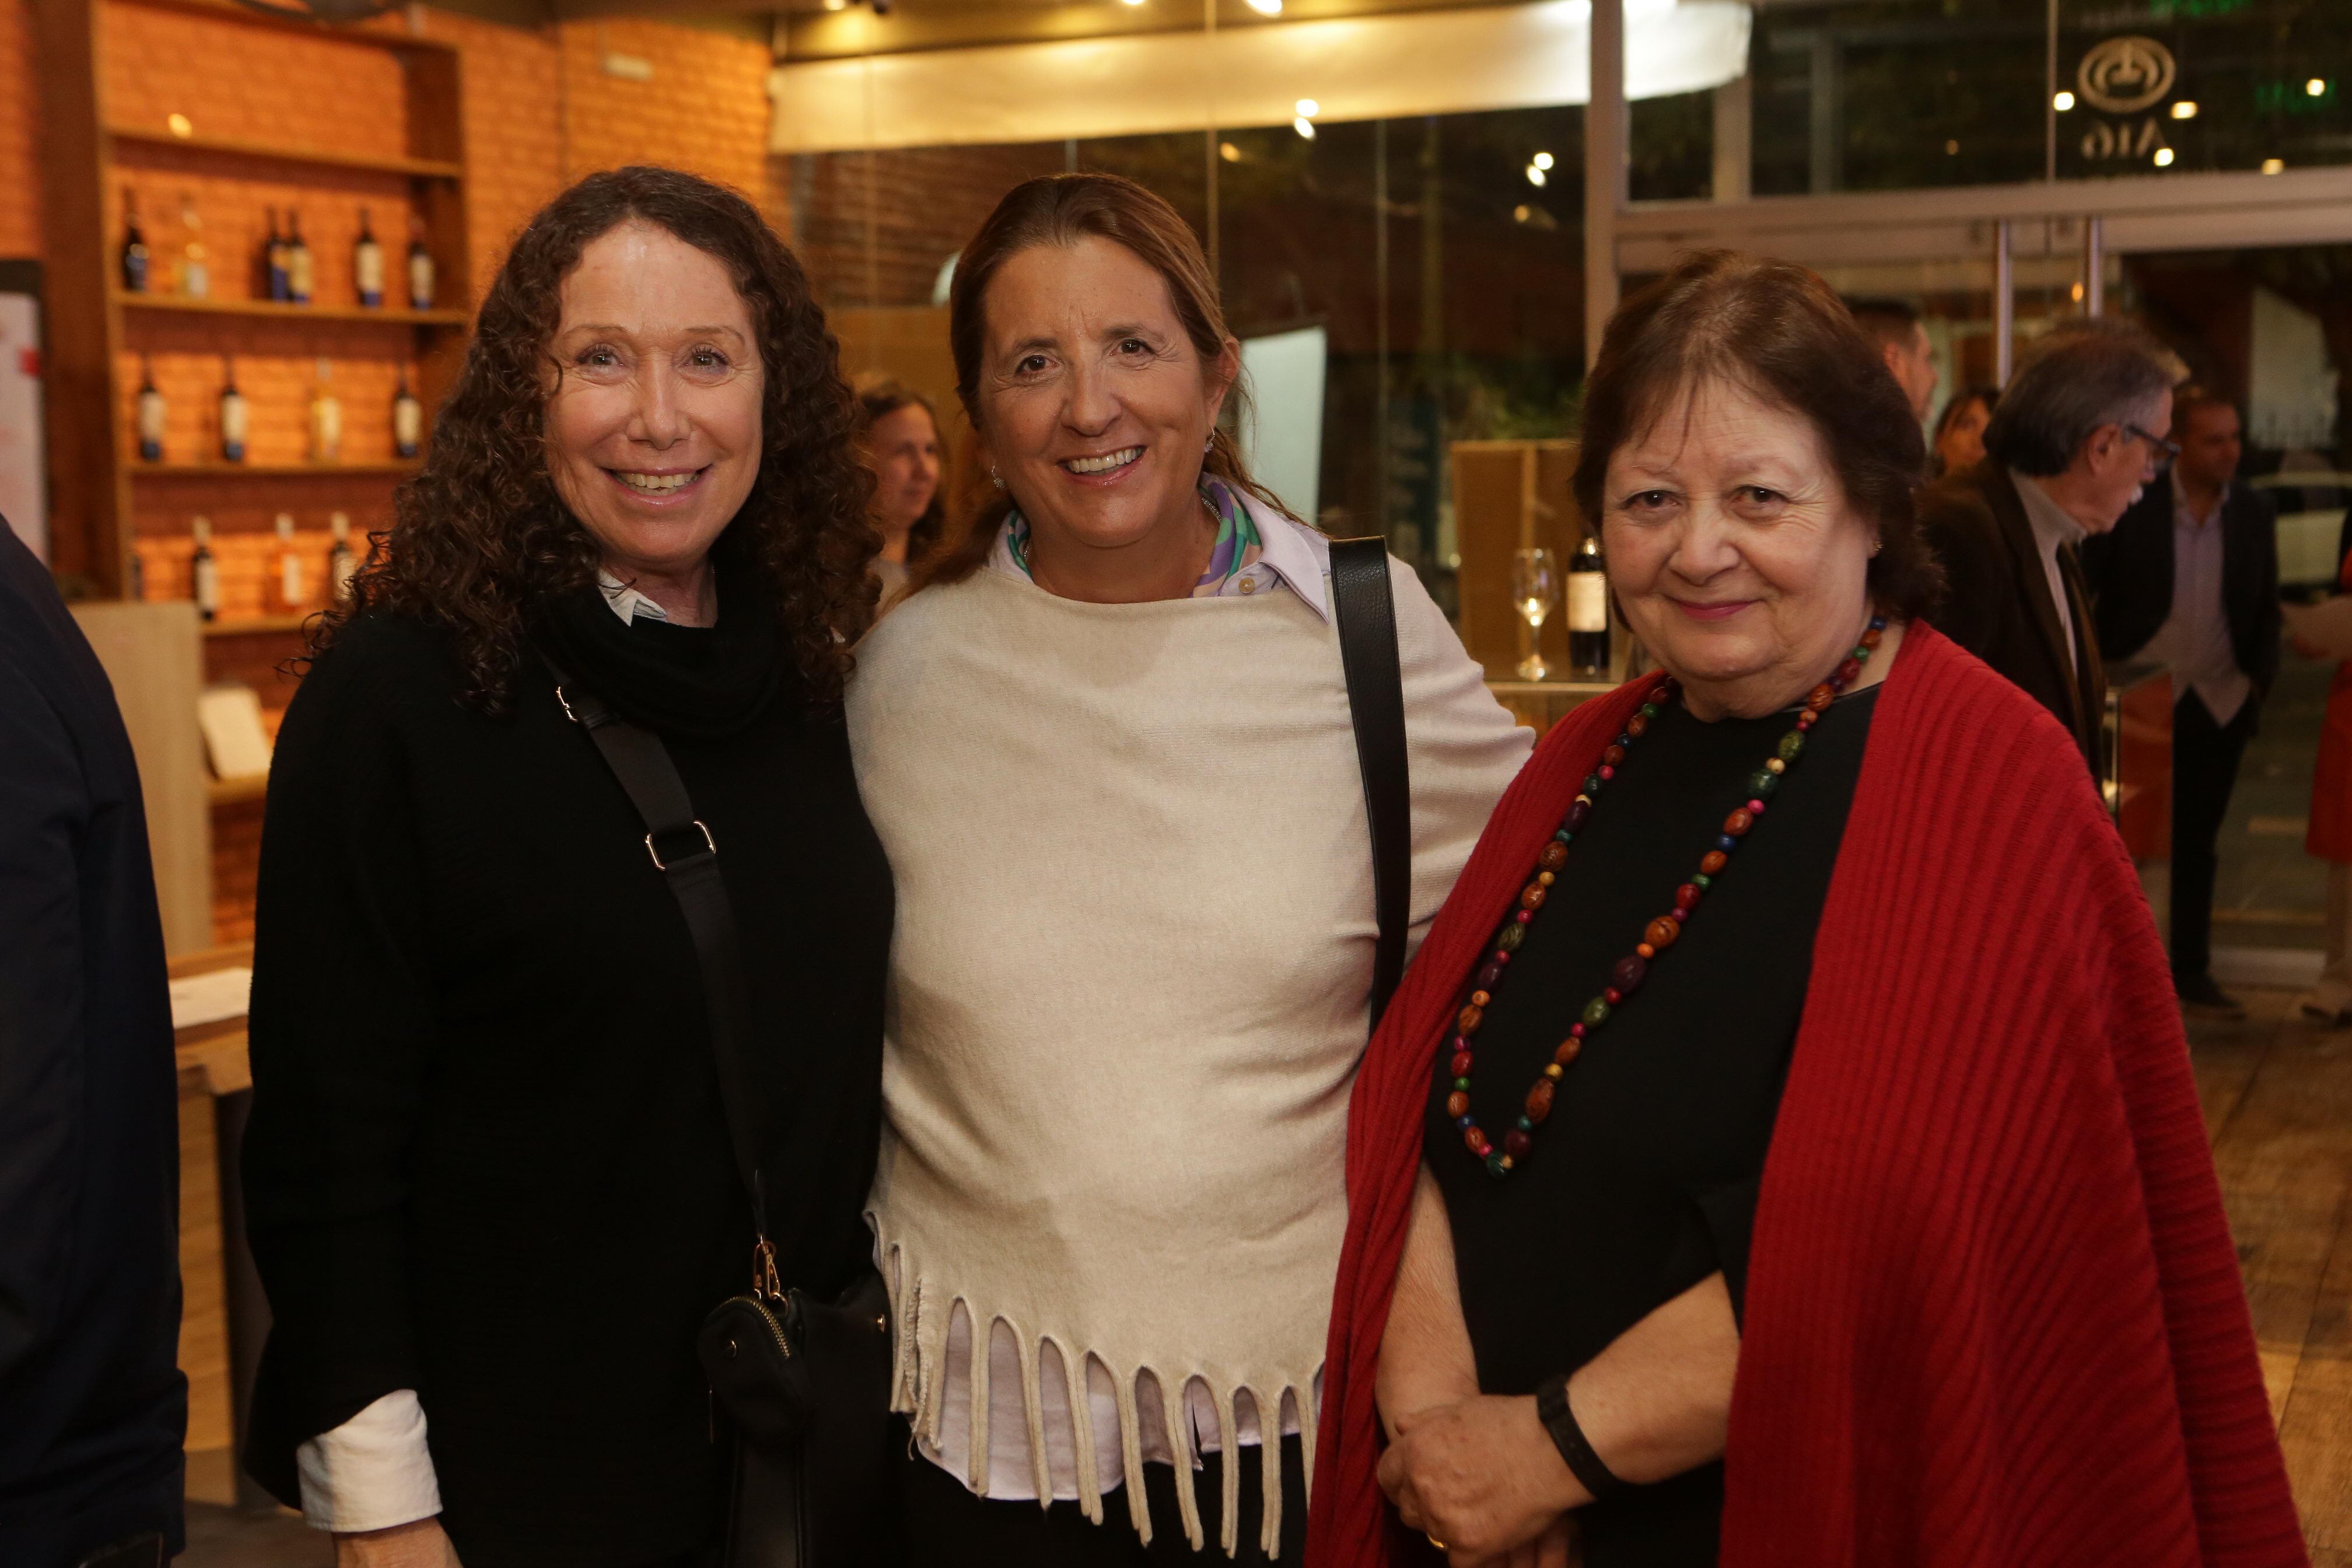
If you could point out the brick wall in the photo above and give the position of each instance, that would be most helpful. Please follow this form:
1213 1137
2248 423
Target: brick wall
20 172
926 202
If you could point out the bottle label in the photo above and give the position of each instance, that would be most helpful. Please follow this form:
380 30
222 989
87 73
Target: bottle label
233 420
298 273
1587 601
151 421
290 579
367 262
326 429
341 565
196 279
208 588
134 269
420 280
407 426
282 276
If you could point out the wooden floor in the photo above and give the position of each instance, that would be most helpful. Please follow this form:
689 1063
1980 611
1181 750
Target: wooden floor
2278 1105
2277 1094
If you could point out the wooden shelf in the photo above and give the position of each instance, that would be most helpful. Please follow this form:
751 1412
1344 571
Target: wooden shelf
230 791
260 625
395 467
215 10
414 168
174 304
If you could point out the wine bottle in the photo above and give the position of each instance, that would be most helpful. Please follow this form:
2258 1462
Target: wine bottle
297 260
134 245
290 567
407 420
134 587
195 270
1588 610
326 419
276 263
204 571
233 415
420 267
341 562
367 264
152 409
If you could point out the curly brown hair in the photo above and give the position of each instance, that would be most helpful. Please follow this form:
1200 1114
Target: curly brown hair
479 536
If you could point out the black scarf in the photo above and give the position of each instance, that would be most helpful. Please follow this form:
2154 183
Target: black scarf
694 682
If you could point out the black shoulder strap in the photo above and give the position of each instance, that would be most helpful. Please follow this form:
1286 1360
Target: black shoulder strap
1366 613
683 851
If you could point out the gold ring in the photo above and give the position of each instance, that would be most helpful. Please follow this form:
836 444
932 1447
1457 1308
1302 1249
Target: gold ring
1434 1542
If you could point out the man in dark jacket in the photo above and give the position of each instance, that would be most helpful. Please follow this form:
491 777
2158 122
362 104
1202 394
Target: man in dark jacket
93 1409
2081 429
2190 579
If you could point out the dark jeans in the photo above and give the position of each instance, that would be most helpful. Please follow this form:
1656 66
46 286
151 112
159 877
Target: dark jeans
948 1527
2204 767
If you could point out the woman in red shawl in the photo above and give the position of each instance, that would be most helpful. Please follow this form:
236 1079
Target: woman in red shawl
1814 1173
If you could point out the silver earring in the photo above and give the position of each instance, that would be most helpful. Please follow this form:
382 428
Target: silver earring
1209 445
993 478
1877 545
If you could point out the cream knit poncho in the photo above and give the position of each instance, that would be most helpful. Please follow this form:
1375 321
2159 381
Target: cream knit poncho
1129 985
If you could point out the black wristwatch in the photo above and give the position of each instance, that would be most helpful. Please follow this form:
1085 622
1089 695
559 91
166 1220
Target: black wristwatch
1551 1408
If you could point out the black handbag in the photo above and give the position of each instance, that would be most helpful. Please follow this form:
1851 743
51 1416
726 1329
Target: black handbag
805 1383
1365 608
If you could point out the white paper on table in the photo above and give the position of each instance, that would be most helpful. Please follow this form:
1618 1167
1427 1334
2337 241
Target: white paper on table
209 999
230 716
2325 626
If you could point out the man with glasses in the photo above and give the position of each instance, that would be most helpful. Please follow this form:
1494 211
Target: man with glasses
2082 428
2190 579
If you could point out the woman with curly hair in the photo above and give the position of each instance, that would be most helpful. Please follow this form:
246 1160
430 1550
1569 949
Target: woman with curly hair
489 1178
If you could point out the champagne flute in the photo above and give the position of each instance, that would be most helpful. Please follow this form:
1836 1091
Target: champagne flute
1535 588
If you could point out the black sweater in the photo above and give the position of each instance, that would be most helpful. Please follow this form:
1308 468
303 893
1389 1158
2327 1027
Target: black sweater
486 1159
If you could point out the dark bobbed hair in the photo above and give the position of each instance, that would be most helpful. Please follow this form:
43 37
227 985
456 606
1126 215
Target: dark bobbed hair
479 536
1062 209
877 403
1983 391
1776 330
2081 376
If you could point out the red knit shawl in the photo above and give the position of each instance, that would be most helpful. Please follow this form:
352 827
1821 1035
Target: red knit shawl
1993 1314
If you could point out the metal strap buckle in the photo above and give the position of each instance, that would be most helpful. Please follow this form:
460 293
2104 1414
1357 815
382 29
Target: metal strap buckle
661 865
565 703
764 1280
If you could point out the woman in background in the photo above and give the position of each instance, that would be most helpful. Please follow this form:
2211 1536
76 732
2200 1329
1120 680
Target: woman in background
899 431
1960 429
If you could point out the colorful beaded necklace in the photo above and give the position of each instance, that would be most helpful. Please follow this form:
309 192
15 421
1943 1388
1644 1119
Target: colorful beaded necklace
1626 977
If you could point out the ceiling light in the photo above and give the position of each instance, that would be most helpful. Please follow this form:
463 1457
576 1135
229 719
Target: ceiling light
1542 159
2273 165
2164 157
2077 293
1266 7
2063 103
1535 176
1229 152
1304 126
1521 212
1308 108
1951 149
2185 110
1134 2
2317 87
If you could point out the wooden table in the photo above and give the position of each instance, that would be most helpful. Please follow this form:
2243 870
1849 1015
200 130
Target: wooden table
220 1336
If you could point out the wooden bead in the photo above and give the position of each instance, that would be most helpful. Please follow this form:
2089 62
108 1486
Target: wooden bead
1514 1144
1820 697
1637 726
1869 639
1532 897
1461 1067
1539 1100
1661 932
1644 950
1739 822
1457 1105
1469 1018
1554 857
1475 1140
1479 998
1569 1049
1547 878
1613 755
1848 672
1627 976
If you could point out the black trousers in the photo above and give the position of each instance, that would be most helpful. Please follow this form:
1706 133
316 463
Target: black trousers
2205 757
948 1527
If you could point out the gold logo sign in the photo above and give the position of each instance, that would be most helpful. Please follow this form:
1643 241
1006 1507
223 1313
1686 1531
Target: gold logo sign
2123 76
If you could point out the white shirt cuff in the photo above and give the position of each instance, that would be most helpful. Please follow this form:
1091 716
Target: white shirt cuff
371 1472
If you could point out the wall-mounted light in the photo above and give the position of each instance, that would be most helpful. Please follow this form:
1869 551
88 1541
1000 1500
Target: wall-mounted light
1304 126
2164 157
1266 7
1951 149
2185 110
2063 103
1536 176
1541 161
2273 165
2317 87
1307 109
1229 152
